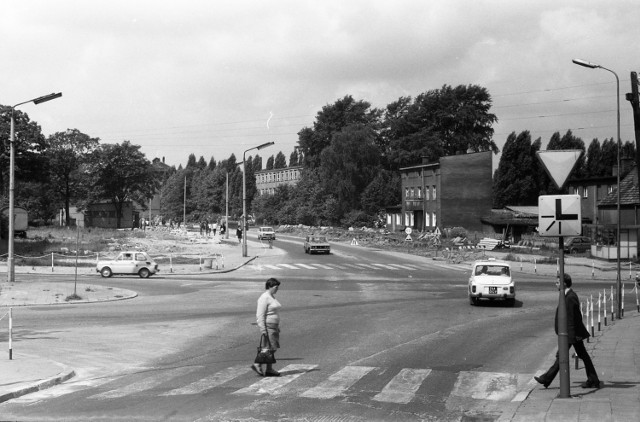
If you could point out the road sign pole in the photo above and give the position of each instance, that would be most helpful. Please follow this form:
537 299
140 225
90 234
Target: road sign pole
563 335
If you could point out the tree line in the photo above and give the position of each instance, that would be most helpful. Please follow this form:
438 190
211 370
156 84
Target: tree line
350 159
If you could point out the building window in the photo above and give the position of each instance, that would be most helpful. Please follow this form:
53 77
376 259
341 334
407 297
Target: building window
419 191
408 218
406 193
412 193
585 192
576 190
389 219
398 219
427 191
610 189
433 219
434 193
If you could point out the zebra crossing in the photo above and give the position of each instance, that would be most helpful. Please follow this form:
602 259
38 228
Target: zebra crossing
401 386
360 266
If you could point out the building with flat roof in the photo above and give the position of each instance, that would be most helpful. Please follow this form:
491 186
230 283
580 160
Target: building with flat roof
268 180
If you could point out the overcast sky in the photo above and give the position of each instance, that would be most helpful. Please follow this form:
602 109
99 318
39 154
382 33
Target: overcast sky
214 78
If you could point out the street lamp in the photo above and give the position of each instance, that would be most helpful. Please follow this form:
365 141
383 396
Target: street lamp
10 257
590 65
244 195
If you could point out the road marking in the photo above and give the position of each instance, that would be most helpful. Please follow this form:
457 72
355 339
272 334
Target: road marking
272 267
402 388
385 266
309 267
335 266
403 267
371 267
291 267
326 267
337 383
146 384
270 385
210 382
493 386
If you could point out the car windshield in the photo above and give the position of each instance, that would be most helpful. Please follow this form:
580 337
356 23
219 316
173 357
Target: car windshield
492 270
319 239
267 229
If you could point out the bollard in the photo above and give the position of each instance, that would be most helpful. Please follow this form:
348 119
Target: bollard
576 359
622 303
10 334
200 263
587 309
637 303
593 269
613 318
604 306
535 268
599 327
592 331
170 263
51 261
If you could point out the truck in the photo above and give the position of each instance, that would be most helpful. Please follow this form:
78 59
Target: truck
20 221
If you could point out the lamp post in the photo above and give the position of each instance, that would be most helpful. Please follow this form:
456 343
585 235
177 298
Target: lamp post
244 195
10 256
590 65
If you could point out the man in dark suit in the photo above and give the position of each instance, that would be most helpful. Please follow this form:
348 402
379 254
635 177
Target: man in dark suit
576 333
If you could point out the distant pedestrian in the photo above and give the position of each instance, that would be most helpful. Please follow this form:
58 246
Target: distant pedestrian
214 227
576 332
268 319
239 234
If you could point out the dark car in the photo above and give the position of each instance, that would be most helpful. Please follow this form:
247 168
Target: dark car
577 244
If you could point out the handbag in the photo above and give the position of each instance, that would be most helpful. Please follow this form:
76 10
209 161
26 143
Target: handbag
265 354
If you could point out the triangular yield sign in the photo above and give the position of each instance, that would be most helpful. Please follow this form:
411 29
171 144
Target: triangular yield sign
559 164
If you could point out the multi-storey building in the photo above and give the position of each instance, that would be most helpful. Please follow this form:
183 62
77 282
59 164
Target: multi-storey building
268 180
453 192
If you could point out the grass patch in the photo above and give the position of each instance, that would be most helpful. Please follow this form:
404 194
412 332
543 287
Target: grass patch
73 297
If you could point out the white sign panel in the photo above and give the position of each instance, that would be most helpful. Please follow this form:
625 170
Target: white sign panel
559 215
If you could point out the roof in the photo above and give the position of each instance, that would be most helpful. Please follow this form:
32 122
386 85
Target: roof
512 216
523 210
628 191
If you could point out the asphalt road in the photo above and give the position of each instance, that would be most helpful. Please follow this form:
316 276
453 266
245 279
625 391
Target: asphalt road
366 336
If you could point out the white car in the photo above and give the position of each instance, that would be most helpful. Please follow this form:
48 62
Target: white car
128 262
266 233
491 279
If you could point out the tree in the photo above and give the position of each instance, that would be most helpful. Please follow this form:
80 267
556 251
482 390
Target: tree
121 173
280 161
28 147
293 158
331 120
437 123
594 165
67 155
515 181
270 161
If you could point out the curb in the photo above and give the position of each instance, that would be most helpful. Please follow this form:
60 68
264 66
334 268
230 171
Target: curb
41 385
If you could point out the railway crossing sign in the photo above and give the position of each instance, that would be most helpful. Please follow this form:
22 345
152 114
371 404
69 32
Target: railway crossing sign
559 215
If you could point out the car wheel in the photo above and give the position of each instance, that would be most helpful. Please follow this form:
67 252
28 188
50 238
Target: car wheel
144 273
573 251
511 302
106 272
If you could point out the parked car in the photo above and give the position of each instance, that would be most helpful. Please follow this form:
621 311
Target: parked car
128 262
316 244
266 233
577 244
491 279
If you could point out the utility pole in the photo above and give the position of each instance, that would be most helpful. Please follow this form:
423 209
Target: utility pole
634 99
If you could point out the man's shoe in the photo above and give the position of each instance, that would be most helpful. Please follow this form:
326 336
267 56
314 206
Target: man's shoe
591 384
542 381
272 373
256 368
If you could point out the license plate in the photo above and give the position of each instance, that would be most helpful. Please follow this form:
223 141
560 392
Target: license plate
493 290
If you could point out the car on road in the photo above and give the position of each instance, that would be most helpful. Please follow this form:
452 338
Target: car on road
577 244
316 244
128 262
266 233
491 279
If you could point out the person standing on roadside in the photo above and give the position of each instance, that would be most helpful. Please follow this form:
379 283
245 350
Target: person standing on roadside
577 332
268 319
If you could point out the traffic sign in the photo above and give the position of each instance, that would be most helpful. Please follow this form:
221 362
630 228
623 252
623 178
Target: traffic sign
559 215
408 230
559 163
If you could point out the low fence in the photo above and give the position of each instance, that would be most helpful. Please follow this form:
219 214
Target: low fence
56 260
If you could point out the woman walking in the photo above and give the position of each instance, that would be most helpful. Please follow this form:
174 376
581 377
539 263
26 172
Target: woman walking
268 319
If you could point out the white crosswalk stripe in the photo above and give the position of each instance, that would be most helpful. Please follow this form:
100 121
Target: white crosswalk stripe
337 383
326 267
385 266
308 267
403 267
343 266
146 384
210 382
270 385
402 388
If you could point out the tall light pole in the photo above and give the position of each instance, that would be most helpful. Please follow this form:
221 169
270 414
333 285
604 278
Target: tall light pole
10 257
619 280
244 195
